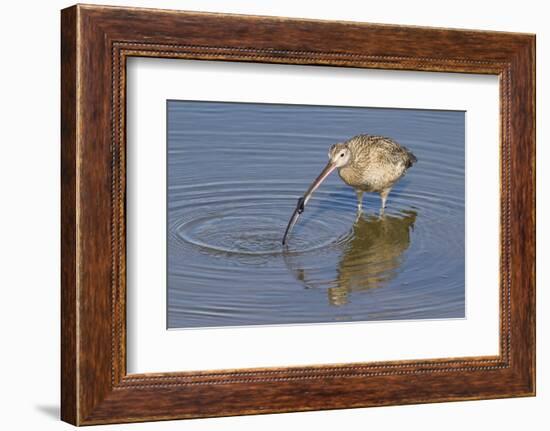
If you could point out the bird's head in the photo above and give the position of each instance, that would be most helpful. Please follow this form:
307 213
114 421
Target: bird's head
339 155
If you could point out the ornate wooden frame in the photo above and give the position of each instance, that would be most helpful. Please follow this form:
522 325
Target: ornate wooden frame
95 43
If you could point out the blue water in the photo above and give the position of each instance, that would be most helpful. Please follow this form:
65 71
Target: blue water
235 171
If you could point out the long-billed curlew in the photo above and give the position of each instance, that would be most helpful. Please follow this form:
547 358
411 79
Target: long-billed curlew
365 162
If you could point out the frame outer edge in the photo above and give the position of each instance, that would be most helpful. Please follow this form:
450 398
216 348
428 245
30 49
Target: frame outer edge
529 63
523 214
532 82
533 54
69 196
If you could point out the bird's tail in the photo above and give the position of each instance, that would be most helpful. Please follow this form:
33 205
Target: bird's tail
411 159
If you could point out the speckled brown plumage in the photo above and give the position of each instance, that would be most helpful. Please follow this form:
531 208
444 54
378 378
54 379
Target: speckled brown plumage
376 162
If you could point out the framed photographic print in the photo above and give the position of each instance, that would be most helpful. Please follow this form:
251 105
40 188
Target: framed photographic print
264 214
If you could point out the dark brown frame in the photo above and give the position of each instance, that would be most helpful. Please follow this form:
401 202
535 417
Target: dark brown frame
95 43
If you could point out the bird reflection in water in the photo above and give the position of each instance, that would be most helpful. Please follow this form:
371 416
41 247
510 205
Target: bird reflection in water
368 259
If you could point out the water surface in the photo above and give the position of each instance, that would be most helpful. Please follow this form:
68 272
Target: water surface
235 171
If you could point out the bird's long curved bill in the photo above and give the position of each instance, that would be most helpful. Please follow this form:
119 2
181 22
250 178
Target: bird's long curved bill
302 202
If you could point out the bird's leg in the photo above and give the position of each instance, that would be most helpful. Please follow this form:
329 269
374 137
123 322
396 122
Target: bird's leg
384 195
359 205
359 200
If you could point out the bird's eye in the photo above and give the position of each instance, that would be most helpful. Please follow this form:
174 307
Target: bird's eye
342 155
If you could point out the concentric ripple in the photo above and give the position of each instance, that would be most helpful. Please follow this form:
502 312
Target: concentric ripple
234 174
249 234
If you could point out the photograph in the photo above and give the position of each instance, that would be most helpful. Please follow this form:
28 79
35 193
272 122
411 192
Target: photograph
300 214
